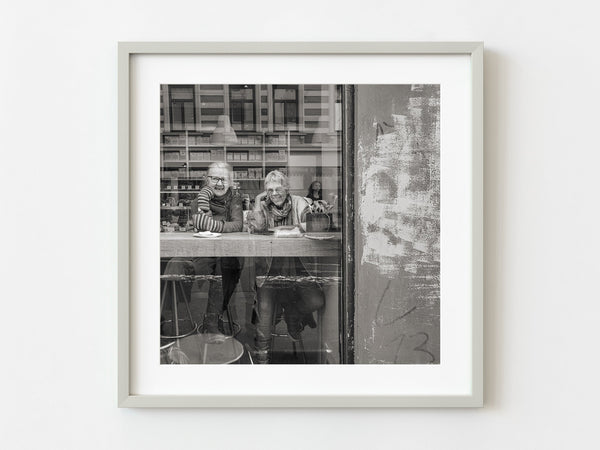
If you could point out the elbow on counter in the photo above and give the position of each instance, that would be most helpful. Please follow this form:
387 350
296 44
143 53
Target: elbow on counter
232 227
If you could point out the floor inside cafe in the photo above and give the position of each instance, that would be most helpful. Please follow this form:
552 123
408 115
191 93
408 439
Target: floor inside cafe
242 300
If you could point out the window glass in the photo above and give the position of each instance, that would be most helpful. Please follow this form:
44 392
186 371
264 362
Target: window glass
241 104
182 108
288 130
285 105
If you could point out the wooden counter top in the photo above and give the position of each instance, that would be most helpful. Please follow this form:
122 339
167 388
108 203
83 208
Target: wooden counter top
244 244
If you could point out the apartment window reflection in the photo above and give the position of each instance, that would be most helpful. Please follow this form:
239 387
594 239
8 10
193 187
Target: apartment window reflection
285 107
241 105
182 108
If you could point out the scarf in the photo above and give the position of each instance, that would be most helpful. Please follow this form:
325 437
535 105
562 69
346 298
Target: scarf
280 214
219 206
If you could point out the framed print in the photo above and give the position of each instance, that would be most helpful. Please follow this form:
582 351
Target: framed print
300 224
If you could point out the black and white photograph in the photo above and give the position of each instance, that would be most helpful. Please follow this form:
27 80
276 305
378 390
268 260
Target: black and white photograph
372 221
299 224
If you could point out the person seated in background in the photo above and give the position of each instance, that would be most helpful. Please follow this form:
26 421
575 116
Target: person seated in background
314 191
277 277
225 217
315 198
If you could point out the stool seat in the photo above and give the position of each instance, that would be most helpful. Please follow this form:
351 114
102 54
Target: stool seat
189 278
210 348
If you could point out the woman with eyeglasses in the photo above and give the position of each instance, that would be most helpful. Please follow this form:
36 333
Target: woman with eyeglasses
276 281
220 211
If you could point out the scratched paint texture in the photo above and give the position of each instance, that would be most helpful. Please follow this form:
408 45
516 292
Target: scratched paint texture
398 224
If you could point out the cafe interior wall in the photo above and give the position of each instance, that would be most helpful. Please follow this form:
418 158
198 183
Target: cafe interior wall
58 126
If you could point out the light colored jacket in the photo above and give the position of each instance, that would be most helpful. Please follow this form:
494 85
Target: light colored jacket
300 207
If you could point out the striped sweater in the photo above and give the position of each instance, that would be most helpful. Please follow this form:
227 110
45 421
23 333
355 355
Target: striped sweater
226 214
204 197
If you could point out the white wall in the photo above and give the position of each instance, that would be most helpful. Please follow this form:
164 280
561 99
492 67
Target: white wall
58 100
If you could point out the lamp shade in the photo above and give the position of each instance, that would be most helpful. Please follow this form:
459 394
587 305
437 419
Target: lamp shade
223 133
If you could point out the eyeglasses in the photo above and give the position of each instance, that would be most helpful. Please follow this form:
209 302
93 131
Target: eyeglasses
279 191
217 179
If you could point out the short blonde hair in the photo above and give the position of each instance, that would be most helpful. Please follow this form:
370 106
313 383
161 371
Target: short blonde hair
275 176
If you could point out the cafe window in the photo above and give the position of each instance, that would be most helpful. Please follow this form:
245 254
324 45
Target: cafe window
241 105
222 299
285 107
182 108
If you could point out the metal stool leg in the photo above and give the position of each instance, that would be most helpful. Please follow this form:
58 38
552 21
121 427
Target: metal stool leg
230 320
249 350
186 302
163 296
176 334
175 319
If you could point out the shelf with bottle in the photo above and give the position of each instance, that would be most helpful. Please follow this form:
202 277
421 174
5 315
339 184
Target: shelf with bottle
174 154
173 149
204 164
251 173
183 183
245 163
195 177
175 164
173 139
175 208
175 218
250 155
180 187
243 146
188 154
176 203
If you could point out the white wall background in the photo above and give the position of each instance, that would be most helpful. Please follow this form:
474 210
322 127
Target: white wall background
58 104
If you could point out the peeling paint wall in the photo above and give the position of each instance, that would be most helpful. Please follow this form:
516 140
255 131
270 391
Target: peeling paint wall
397 224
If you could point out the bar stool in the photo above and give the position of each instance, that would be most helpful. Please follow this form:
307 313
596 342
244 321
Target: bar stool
174 282
203 349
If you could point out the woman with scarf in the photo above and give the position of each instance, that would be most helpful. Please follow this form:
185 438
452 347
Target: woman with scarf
226 217
276 276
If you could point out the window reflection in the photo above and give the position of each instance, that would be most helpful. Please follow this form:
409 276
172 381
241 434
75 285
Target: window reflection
242 107
285 107
182 107
294 131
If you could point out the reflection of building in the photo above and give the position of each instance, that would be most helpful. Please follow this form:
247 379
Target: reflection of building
294 128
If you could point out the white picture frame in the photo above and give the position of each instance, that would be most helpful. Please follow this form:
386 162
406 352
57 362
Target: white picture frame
471 397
